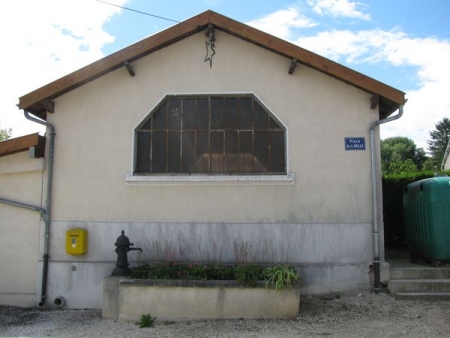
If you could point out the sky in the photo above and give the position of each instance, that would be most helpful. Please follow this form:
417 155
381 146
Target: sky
403 43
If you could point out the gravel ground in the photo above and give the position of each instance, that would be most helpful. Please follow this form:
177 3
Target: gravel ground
350 315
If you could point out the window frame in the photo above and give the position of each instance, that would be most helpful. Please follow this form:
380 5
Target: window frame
181 178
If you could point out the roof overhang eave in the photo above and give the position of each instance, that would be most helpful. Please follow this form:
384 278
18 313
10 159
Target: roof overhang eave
35 102
22 143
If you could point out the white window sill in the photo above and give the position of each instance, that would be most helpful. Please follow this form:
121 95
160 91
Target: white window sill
287 179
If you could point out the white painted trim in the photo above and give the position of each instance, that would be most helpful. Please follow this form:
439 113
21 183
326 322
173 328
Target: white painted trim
144 180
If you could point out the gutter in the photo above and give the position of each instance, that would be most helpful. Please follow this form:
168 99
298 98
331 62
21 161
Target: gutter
375 230
48 202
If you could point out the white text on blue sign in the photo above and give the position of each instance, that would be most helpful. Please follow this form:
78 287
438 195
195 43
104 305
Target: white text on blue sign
355 143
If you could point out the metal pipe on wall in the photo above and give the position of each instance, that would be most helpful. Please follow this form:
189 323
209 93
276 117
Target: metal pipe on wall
375 230
48 202
23 205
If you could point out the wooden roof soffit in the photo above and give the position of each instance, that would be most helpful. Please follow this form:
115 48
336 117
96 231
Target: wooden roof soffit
34 143
390 98
33 100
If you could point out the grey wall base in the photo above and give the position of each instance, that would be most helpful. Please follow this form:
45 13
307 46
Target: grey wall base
331 257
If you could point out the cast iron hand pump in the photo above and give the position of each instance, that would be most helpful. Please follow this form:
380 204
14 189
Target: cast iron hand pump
123 246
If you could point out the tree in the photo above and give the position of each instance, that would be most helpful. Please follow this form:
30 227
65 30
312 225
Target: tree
438 141
400 154
5 133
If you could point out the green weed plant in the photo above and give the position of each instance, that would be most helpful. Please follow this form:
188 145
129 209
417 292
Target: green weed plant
146 321
281 276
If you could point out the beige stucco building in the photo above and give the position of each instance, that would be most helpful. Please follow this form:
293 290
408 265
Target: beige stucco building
20 180
258 152
446 160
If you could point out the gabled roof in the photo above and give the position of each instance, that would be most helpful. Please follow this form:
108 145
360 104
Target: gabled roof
39 101
19 144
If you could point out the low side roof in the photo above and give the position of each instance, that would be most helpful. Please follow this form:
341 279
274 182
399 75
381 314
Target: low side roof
39 101
23 143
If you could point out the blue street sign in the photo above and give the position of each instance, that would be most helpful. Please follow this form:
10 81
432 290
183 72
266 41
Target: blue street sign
355 143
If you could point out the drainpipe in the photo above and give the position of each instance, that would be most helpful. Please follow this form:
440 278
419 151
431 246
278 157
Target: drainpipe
23 205
48 203
375 231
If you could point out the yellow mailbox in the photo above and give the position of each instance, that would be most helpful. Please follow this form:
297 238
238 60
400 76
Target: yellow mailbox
76 241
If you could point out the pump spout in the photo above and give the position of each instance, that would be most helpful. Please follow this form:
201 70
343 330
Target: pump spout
135 249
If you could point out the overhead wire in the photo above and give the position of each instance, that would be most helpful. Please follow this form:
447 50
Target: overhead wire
140 12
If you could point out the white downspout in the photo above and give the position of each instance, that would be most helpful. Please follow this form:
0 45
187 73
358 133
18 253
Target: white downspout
375 230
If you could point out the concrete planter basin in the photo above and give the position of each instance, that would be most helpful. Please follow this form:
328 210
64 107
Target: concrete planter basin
128 299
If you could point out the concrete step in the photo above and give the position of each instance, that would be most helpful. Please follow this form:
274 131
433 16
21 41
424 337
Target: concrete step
420 273
425 296
418 285
413 281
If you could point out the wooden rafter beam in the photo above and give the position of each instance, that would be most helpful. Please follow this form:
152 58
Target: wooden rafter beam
49 106
129 68
293 65
374 100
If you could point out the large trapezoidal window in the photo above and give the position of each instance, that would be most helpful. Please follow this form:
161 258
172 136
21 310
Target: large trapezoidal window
210 135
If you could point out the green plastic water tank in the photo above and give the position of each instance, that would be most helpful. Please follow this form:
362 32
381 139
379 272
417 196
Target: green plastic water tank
426 207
